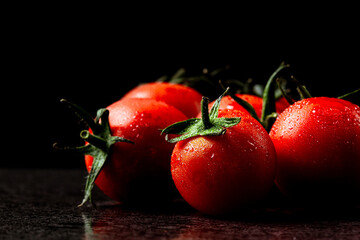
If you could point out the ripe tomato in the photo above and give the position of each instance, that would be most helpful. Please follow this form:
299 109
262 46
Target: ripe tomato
223 174
184 98
138 172
317 141
256 102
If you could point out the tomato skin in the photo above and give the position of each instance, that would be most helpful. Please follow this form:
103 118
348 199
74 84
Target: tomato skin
138 172
318 147
281 104
184 98
256 102
224 174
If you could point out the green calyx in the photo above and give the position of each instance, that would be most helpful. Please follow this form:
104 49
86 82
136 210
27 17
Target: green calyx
208 125
99 143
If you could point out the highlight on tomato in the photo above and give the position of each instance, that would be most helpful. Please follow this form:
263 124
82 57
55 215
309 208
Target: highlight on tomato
184 98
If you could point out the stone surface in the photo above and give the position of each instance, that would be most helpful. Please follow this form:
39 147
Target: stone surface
42 204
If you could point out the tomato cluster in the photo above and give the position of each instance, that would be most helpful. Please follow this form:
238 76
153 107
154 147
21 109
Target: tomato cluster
160 138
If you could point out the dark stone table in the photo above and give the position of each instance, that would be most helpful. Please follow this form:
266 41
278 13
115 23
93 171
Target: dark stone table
42 204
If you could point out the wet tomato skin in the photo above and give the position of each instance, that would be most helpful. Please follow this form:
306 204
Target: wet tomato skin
224 174
317 141
184 98
138 172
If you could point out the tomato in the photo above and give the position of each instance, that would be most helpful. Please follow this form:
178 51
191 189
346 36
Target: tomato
281 104
138 172
184 98
317 141
256 102
224 174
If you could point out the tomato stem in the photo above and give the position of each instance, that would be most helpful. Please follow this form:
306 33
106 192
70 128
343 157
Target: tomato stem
347 95
94 140
248 107
283 93
269 93
205 113
302 90
268 107
99 143
208 125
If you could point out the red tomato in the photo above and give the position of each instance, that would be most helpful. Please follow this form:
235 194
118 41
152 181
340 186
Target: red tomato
223 174
186 99
318 147
281 104
228 102
138 172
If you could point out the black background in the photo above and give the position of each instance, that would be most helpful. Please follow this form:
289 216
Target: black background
92 57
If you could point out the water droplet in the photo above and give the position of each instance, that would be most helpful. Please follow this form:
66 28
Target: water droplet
212 155
252 144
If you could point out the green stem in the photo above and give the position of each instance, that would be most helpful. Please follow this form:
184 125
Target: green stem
349 94
208 125
205 113
269 96
94 140
99 143
283 93
82 114
303 92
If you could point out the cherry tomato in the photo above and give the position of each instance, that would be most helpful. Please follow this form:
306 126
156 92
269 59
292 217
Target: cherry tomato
184 98
138 172
224 174
256 102
317 141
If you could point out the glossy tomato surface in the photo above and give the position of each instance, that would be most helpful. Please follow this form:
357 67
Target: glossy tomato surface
224 174
256 102
184 98
317 141
138 172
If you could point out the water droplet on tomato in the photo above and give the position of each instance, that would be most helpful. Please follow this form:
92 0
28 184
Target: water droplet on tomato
212 155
